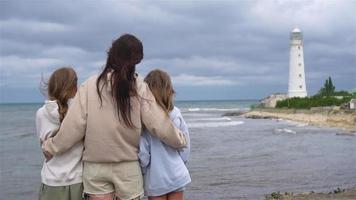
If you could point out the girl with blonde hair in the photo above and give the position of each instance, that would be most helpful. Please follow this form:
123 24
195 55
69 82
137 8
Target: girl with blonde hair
165 172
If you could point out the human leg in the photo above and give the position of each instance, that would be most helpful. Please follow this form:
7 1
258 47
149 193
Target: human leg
175 195
163 197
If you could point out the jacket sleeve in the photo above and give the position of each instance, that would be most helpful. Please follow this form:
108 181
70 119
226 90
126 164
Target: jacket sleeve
157 121
144 151
180 123
38 124
73 127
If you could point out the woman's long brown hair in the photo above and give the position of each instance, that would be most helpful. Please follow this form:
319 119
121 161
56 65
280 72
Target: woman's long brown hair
62 86
124 54
161 87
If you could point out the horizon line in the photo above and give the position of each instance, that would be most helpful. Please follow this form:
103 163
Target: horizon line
180 100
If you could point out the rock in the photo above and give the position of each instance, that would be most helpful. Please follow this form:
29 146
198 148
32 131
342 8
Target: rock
237 113
258 117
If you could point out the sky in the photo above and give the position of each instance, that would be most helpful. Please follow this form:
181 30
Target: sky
212 49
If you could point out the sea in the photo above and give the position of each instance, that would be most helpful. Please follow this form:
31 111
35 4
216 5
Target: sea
231 157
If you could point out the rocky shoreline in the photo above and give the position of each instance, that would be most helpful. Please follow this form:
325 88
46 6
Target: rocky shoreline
339 194
345 119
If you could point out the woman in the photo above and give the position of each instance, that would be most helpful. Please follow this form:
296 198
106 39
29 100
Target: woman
109 112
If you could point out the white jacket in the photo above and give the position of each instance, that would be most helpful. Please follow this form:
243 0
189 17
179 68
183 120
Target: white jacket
64 169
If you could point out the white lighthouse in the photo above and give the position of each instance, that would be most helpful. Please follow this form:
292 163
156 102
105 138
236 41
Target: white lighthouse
296 86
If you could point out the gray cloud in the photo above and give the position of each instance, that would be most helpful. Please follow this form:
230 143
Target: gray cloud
241 45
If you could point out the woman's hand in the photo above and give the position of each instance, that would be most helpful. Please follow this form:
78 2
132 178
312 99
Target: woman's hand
47 155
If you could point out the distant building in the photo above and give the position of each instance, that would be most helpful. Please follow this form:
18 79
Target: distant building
353 91
352 104
296 85
271 101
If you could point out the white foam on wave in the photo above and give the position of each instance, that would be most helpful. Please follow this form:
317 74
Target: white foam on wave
285 130
193 109
213 109
211 119
214 124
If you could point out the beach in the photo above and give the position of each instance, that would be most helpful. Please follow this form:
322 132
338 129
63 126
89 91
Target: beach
232 157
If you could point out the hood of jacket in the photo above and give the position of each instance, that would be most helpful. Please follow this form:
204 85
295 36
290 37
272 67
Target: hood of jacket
175 113
51 110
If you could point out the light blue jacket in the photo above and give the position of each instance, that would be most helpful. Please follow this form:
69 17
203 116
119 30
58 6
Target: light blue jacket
163 167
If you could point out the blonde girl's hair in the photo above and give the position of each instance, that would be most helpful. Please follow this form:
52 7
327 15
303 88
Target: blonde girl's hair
62 86
161 86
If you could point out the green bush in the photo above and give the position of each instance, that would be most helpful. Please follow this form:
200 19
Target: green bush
325 97
342 93
308 102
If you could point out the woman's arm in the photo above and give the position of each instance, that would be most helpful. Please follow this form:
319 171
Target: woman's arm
73 127
157 121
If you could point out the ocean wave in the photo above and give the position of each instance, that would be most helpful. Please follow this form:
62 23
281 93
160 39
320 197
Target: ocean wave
213 109
285 130
214 124
196 114
193 109
347 134
211 119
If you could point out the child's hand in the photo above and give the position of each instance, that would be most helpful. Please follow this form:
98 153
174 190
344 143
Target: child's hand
47 155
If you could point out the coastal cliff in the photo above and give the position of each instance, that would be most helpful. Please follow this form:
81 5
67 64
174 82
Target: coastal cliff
321 117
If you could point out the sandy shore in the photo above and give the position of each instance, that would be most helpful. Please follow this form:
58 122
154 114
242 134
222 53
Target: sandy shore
345 119
349 194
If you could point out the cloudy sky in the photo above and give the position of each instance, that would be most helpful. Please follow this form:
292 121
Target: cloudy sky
212 49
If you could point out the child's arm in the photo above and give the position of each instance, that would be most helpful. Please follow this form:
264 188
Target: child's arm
73 126
184 152
144 152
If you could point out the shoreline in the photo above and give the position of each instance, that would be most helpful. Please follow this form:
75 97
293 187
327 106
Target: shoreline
344 119
341 194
